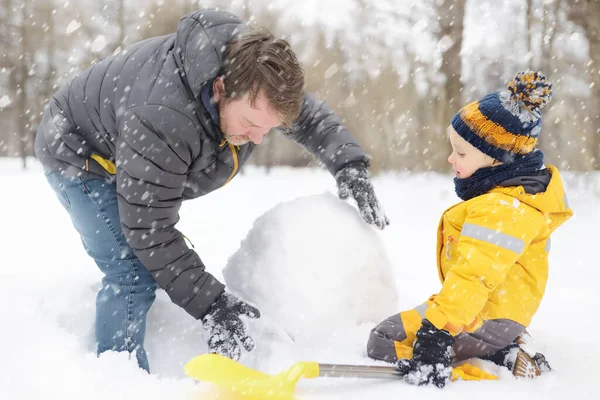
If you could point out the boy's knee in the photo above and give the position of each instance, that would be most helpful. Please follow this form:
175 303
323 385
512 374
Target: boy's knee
383 338
491 337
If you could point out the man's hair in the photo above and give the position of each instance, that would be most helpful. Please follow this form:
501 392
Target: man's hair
255 60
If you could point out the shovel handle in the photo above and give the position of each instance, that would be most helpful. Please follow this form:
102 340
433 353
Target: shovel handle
358 371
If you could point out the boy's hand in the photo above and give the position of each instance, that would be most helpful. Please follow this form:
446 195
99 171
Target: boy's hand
353 179
430 363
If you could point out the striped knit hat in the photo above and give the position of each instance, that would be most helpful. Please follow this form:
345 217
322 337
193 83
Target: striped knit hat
507 123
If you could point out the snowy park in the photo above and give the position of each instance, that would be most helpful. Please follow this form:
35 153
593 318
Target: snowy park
202 195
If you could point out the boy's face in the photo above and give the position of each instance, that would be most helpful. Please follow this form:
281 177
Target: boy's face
465 158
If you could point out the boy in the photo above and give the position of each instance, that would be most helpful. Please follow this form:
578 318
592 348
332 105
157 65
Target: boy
492 248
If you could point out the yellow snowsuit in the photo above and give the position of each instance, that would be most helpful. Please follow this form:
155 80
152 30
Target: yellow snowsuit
492 256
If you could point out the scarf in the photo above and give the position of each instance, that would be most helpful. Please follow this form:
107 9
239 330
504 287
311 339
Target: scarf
485 179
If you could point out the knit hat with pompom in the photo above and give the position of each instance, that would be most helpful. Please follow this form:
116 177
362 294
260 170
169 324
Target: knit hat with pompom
504 124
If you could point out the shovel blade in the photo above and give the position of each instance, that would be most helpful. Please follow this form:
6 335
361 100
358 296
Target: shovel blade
248 382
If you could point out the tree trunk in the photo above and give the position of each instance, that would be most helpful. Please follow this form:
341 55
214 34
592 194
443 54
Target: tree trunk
529 20
586 14
451 15
593 35
549 29
49 78
121 23
21 76
9 138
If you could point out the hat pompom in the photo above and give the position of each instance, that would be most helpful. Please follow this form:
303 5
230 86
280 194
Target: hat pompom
531 90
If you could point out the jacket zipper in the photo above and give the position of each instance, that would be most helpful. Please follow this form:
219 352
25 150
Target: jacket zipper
441 244
235 160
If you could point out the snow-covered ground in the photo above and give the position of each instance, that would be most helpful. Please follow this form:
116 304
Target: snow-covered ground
48 284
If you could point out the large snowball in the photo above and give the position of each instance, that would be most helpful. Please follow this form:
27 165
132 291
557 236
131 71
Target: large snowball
313 267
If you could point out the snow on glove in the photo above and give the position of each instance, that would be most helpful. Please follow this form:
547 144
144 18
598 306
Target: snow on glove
224 325
430 363
353 179
520 358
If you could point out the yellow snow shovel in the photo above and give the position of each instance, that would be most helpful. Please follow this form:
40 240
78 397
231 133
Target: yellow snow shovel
255 385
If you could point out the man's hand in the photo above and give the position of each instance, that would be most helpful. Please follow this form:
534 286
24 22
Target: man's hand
353 179
430 363
224 325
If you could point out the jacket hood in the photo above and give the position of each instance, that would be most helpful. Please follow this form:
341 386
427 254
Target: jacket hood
552 201
200 44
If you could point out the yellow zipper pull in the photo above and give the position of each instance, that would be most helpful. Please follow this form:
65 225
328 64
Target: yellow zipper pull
107 165
235 159
189 241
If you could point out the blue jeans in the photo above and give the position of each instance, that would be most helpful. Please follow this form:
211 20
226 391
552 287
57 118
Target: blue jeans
128 289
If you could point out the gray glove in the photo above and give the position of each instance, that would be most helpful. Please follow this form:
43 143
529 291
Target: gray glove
224 326
353 179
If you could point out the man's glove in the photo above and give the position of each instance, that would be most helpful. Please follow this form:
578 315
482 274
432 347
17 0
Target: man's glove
224 325
430 363
353 179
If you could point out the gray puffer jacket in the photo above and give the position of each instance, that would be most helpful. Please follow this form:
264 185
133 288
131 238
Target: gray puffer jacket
141 111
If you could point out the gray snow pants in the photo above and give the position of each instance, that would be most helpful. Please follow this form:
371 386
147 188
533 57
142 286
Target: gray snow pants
388 338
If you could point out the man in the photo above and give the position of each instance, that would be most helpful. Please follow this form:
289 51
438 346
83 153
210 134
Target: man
168 119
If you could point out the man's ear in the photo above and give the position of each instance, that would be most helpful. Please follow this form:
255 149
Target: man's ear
218 89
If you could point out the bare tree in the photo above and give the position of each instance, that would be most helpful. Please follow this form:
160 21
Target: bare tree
529 24
49 80
16 62
586 13
168 18
21 81
121 23
593 35
549 29
451 14
7 67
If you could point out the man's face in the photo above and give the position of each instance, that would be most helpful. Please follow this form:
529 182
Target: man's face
465 158
242 122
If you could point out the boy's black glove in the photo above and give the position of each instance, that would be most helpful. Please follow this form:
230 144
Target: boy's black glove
224 325
353 179
430 363
519 358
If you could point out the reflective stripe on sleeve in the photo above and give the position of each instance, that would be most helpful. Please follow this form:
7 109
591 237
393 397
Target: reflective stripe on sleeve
494 237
